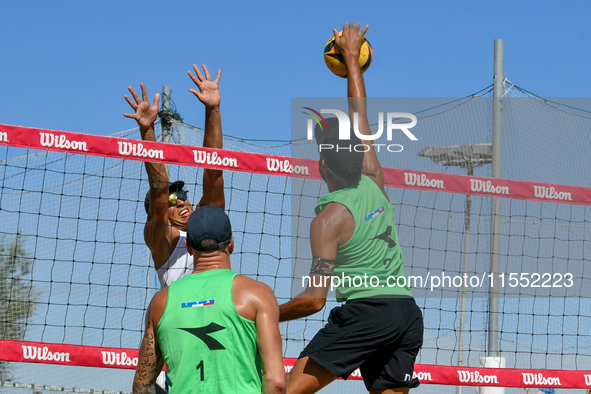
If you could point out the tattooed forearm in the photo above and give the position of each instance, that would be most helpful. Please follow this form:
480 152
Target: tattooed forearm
144 389
150 362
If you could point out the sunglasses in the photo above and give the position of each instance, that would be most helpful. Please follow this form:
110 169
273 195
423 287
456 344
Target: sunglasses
173 197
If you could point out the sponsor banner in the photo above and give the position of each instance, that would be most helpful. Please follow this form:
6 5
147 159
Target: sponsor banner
502 377
57 353
102 357
487 187
499 377
122 148
62 141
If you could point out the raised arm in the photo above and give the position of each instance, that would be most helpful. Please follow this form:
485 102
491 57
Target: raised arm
350 44
150 360
157 232
209 95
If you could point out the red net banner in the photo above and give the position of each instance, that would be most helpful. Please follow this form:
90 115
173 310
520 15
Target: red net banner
106 357
122 148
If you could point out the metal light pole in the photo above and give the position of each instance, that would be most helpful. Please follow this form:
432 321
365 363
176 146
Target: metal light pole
468 157
495 245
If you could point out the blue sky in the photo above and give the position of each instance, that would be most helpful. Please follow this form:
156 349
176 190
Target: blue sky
66 64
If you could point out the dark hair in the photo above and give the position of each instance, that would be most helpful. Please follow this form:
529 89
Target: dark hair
351 176
207 242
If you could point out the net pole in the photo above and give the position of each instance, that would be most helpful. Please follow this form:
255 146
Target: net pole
495 245
465 271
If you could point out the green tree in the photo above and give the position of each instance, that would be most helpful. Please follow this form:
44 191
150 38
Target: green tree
17 294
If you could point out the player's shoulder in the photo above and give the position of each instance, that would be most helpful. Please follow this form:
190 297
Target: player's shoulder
333 214
158 304
251 297
160 298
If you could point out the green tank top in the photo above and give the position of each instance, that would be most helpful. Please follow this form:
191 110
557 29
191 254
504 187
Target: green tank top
370 263
207 346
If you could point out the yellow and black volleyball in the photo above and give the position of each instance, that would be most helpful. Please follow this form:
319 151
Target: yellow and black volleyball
334 59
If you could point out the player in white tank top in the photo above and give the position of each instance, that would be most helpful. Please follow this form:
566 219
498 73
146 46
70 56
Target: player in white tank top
178 265
166 203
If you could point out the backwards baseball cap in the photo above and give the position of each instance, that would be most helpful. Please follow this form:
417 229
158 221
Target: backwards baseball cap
341 153
208 222
172 187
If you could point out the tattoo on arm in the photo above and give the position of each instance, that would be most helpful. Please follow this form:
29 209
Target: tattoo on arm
150 362
322 266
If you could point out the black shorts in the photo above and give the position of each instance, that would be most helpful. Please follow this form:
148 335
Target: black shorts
381 336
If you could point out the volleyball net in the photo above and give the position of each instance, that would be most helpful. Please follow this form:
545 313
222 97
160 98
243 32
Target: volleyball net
76 275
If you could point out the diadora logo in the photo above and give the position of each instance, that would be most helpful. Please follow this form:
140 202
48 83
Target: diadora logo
37 353
276 165
344 131
539 379
202 157
118 358
61 141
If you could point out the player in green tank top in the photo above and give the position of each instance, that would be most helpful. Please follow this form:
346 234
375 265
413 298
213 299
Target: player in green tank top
353 238
217 331
372 252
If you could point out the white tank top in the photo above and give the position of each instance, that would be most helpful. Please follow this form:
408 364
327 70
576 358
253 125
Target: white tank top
179 264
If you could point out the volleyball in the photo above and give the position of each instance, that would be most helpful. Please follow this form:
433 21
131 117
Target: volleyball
335 62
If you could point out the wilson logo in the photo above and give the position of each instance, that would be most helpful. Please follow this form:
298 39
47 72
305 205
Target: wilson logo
540 380
213 158
3 136
487 187
37 353
413 179
276 165
422 376
551 193
116 358
60 141
587 379
476 377
138 150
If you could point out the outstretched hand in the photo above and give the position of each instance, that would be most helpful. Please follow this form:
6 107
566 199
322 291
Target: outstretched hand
350 42
145 114
209 91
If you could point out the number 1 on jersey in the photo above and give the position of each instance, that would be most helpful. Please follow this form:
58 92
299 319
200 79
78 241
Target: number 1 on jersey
200 367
